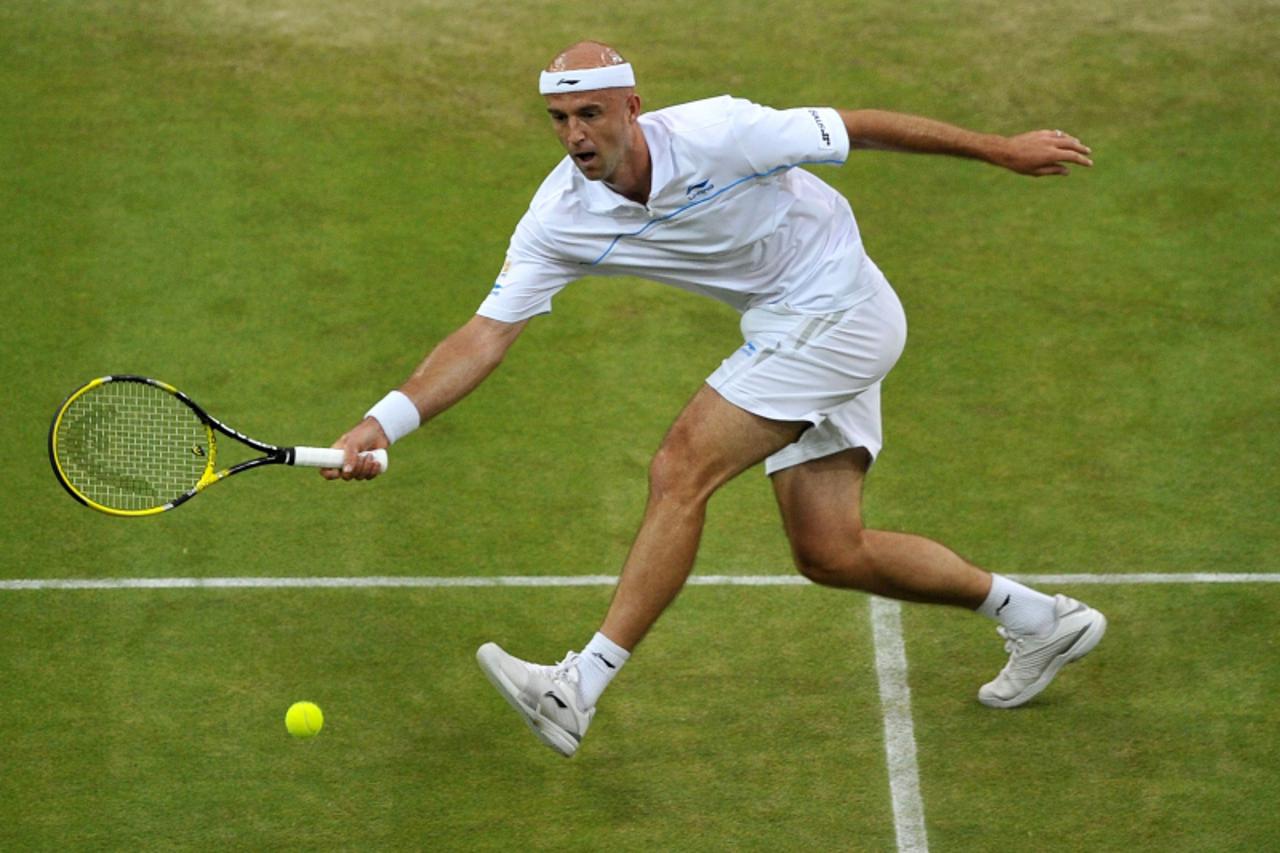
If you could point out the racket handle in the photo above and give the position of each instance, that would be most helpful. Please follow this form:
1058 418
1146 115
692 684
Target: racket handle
331 457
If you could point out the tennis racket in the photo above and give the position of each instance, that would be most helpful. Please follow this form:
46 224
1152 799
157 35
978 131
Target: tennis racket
133 446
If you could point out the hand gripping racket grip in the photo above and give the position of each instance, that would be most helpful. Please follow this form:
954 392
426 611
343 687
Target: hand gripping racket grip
331 457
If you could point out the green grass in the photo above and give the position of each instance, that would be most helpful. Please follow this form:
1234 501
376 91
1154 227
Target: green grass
281 206
1165 742
190 751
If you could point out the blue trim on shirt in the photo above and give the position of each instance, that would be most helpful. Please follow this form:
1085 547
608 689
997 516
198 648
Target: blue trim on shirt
712 197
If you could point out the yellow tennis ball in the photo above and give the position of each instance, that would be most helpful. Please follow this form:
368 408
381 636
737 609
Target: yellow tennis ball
303 719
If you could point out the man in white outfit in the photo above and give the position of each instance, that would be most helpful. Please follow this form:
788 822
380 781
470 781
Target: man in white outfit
707 197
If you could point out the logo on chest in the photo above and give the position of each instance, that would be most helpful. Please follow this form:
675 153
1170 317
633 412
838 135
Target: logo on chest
699 190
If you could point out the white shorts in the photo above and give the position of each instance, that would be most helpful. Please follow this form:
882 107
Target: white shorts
825 369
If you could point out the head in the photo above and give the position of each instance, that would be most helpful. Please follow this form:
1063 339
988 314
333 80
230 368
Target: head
596 126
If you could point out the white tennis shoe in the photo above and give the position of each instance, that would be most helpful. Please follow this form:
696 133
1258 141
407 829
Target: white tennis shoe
547 697
1034 661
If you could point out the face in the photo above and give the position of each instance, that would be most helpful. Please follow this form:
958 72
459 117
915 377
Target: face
595 128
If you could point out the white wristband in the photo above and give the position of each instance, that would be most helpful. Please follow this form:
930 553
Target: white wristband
396 414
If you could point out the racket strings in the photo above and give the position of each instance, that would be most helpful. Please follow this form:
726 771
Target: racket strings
132 446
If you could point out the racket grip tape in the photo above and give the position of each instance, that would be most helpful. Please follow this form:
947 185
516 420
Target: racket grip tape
331 457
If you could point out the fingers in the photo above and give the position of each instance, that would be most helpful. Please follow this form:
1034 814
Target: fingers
1047 152
368 435
357 467
350 461
1069 149
354 465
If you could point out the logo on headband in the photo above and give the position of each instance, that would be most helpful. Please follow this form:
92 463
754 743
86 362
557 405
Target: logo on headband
586 79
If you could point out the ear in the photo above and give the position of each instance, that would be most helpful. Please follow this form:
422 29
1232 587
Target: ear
633 106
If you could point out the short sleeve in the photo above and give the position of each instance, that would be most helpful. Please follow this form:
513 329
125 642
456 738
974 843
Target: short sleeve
530 277
783 138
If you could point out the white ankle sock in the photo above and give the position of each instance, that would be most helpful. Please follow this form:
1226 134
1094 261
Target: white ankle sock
597 665
1019 608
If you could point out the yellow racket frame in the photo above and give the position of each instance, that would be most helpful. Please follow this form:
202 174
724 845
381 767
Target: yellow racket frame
207 478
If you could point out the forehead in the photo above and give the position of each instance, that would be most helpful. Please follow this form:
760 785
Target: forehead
569 102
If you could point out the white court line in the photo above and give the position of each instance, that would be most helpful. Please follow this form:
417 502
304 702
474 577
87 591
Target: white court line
570 581
899 731
386 581
1152 578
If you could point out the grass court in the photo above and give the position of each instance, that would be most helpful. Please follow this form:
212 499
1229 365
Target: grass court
280 206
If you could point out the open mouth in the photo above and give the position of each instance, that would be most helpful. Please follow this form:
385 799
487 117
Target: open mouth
585 157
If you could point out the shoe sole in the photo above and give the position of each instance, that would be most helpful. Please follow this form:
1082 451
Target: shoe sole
489 657
1091 637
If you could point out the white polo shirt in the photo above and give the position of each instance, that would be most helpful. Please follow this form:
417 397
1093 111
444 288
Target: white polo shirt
729 216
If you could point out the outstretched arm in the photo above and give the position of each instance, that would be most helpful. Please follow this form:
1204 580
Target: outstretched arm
452 370
1038 153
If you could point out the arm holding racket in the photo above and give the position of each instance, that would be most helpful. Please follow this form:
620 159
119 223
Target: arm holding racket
452 370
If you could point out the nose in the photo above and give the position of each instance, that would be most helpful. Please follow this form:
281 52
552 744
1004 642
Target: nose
576 131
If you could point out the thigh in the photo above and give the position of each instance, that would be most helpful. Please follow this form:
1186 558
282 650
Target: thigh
821 500
713 440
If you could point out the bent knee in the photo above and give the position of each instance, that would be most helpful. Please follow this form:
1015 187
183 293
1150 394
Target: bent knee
674 475
844 564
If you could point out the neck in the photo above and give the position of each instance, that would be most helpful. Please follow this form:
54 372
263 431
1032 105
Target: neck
633 180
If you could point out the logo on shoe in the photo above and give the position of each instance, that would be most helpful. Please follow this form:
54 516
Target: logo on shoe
1077 636
603 660
550 694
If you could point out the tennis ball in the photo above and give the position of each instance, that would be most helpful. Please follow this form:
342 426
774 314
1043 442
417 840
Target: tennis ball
303 719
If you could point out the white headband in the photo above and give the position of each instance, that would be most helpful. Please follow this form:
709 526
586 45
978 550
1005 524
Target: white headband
586 79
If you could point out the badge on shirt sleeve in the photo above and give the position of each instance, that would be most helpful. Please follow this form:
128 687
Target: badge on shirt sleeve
827 144
497 285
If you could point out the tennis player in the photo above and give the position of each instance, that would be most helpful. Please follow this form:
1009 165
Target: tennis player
708 197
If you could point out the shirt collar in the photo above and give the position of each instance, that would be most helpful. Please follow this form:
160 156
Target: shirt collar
599 199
